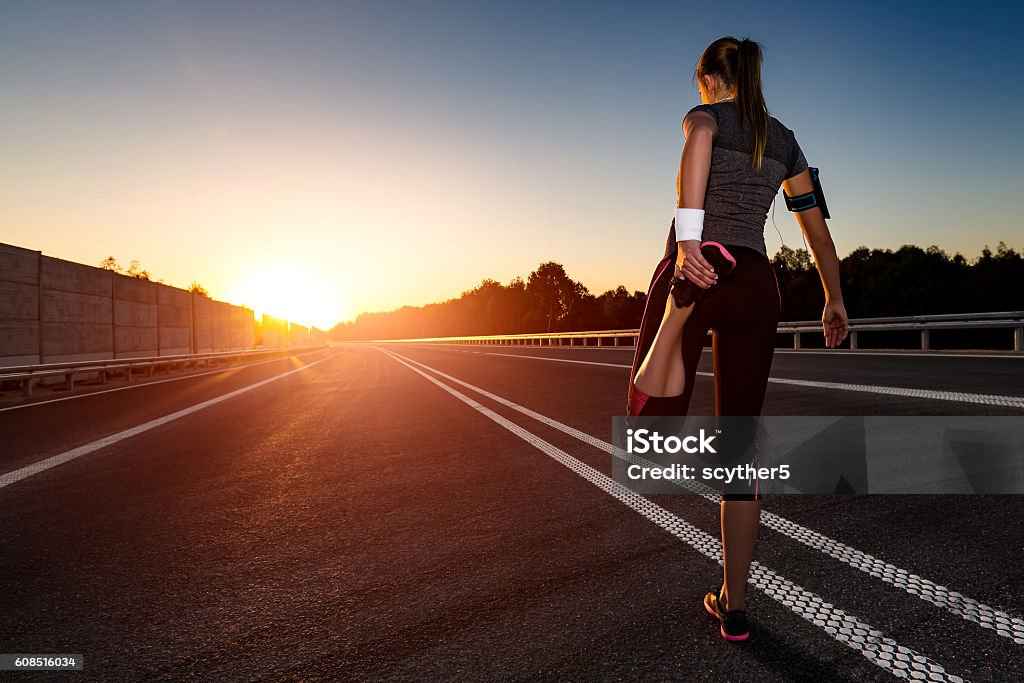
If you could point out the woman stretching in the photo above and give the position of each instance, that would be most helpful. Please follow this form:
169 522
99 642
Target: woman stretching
735 159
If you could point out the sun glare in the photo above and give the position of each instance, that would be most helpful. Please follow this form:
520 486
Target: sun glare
289 292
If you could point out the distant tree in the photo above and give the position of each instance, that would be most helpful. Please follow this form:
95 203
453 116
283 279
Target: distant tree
196 288
621 310
583 310
510 308
553 292
792 259
110 263
798 283
876 282
135 270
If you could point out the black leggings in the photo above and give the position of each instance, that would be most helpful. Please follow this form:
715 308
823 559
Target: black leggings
742 314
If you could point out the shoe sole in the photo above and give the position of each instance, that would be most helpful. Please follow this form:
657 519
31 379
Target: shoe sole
722 629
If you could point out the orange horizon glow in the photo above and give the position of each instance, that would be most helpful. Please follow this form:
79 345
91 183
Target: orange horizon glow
287 291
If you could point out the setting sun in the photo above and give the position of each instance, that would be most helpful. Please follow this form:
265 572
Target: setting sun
288 291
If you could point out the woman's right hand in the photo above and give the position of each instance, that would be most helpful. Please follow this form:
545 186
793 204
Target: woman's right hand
692 264
834 323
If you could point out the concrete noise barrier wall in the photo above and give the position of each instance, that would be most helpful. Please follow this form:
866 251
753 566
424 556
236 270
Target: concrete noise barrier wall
19 306
54 311
316 337
275 332
202 324
298 335
174 315
76 311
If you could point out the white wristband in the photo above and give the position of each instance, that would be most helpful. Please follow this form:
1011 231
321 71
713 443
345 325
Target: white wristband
689 224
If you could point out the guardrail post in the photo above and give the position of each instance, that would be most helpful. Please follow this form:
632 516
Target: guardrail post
853 340
796 341
1018 339
617 341
599 340
925 340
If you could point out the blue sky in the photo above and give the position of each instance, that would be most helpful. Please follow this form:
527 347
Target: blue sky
390 153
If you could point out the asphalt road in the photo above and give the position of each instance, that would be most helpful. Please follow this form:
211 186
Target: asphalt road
415 512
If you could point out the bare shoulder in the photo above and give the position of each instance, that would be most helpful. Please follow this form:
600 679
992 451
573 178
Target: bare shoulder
699 119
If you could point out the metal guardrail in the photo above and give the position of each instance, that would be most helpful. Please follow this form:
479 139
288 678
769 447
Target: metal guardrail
1013 320
29 375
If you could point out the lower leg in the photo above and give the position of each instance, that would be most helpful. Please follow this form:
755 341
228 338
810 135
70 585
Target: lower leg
662 372
740 523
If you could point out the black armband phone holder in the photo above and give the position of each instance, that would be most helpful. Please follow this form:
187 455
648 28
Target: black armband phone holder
811 199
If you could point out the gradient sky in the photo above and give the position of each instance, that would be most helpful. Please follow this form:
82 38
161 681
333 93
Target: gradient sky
366 155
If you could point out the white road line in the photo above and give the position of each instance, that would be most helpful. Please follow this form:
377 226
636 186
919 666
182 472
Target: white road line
146 384
904 392
907 354
558 360
808 352
956 603
41 466
858 635
929 394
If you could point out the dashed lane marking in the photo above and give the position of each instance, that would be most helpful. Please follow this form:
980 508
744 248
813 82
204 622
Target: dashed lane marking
928 394
954 602
845 628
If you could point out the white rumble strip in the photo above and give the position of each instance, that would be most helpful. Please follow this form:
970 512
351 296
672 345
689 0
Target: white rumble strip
905 392
962 606
886 653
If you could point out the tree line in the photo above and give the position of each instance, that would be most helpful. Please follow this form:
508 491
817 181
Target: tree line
136 271
875 282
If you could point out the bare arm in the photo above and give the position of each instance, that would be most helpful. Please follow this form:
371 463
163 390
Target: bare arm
812 222
700 130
